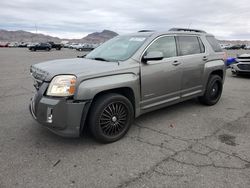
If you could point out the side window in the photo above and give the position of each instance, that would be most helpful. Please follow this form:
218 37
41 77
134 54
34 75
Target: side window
214 44
166 45
202 47
189 45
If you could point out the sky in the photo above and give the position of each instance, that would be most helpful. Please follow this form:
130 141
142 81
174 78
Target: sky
226 19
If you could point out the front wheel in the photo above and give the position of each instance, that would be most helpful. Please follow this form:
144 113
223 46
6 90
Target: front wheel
213 91
110 117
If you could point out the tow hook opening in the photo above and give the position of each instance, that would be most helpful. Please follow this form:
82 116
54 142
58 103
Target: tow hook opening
49 115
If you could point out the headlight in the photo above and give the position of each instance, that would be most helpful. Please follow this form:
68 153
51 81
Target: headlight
62 86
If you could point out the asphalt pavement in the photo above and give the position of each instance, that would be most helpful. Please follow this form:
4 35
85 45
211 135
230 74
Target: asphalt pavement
185 145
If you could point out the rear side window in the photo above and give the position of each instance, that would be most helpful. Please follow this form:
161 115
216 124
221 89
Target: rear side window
166 45
190 45
201 46
214 44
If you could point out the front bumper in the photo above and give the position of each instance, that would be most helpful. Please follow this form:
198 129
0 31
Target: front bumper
61 116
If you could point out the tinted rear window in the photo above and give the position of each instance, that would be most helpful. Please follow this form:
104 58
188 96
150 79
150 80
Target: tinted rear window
189 45
214 44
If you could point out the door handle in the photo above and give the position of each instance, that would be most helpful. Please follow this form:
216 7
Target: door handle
205 58
176 63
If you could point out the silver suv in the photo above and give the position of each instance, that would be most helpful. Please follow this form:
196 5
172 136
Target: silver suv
124 78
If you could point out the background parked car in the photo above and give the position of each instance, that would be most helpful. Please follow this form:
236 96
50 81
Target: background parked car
40 46
247 47
74 45
66 45
13 44
22 45
242 65
56 46
32 44
225 46
4 44
236 47
86 47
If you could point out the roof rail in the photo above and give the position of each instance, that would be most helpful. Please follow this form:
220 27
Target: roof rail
188 30
142 31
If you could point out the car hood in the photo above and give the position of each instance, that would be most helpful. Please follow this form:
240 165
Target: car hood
243 58
78 66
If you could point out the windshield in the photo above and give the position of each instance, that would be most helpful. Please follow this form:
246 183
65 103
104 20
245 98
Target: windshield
119 48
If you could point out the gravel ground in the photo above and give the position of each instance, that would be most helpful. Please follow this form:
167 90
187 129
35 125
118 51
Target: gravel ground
185 145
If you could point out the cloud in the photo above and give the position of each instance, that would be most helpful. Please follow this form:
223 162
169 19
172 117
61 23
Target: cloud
227 19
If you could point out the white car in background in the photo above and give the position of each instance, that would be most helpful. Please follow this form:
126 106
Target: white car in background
225 46
32 44
79 46
73 45
247 47
13 44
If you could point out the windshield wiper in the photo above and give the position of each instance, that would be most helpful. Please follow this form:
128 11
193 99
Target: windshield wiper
100 59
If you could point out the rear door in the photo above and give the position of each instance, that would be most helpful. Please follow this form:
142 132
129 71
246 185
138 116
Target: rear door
192 55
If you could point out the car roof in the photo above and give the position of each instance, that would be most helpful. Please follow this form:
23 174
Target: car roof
178 31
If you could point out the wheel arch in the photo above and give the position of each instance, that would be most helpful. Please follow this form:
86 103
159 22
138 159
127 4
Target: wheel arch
124 84
124 91
218 72
127 85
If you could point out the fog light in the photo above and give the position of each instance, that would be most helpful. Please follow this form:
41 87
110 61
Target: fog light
49 115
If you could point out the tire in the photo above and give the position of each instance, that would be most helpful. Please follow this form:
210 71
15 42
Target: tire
110 117
47 49
213 91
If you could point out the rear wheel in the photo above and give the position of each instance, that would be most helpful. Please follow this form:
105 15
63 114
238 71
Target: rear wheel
213 91
110 117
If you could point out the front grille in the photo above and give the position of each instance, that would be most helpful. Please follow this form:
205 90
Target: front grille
244 66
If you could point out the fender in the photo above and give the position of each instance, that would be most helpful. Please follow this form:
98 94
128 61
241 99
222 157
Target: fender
91 87
215 65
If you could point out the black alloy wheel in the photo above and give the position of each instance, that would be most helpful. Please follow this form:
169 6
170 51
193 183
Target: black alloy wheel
114 118
213 91
110 117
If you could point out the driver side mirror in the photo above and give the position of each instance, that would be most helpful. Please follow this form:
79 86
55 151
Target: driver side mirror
153 56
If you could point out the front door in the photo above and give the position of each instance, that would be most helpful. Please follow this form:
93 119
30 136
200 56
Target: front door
161 79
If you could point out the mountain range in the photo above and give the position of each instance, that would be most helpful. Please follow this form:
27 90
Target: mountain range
96 37
24 36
